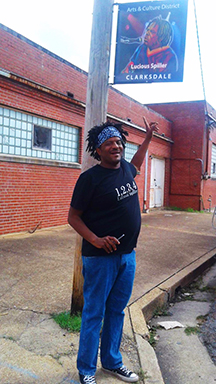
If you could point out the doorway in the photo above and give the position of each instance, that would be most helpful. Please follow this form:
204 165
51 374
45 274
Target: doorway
157 182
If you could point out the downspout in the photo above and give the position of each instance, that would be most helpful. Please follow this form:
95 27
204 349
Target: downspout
145 182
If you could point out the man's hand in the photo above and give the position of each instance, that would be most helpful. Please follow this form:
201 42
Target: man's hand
150 127
139 156
108 243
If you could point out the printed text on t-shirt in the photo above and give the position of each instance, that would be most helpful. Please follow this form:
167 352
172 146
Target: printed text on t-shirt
126 190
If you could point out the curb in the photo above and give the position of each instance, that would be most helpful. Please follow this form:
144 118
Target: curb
141 311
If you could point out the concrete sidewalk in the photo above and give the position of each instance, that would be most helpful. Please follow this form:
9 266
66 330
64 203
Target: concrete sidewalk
36 277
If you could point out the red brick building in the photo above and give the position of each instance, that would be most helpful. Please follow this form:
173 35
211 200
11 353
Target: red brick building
193 155
42 112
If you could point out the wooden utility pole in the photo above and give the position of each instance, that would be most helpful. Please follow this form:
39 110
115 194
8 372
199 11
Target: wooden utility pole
96 111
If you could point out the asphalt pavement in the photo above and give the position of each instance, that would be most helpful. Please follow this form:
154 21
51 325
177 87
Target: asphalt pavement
184 330
36 272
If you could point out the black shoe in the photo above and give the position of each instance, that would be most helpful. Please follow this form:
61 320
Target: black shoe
87 379
124 374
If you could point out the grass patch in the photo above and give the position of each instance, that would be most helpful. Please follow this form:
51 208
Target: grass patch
161 311
193 210
152 334
204 289
192 331
188 297
68 322
142 375
174 208
208 289
184 210
9 338
196 284
201 319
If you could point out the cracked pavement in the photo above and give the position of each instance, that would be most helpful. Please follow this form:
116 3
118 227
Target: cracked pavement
36 272
33 346
36 281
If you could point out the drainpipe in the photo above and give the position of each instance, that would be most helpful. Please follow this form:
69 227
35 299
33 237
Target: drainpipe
146 178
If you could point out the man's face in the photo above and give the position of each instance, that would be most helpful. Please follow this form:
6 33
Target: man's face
110 152
151 37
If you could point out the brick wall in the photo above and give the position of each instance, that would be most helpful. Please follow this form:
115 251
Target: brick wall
209 193
43 67
20 96
23 57
209 185
191 154
35 194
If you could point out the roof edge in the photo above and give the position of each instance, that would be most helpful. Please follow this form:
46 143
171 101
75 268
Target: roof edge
35 45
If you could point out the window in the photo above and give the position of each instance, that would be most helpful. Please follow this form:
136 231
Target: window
31 136
213 162
42 138
130 150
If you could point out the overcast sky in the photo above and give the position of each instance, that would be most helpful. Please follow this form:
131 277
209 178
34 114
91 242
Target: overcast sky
64 28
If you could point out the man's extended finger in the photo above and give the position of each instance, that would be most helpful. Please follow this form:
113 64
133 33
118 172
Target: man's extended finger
145 122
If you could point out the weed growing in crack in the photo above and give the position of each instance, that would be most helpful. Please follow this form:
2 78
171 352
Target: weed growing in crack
152 336
68 322
201 319
161 311
142 375
9 338
192 330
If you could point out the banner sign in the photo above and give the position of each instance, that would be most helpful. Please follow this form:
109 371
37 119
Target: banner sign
150 43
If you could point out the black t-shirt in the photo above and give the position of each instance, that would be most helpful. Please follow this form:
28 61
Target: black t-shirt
110 205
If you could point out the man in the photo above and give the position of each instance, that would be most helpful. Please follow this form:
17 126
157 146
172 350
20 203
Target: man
105 212
155 52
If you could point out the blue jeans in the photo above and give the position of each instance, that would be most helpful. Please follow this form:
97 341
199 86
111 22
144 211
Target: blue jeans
108 282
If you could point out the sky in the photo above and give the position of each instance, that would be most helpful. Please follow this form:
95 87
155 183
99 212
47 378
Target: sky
64 28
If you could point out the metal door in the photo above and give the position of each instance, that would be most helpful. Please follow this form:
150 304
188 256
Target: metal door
157 182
